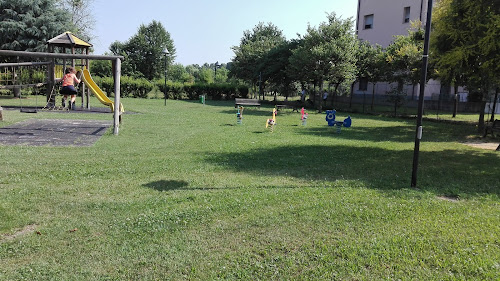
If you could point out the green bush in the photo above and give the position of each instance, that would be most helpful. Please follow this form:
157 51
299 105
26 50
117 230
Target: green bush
139 88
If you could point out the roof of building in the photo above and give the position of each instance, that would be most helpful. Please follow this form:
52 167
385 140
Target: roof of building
68 39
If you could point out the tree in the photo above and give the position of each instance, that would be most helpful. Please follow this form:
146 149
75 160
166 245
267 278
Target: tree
369 63
403 57
274 67
144 51
327 53
81 16
253 47
28 25
101 68
466 43
177 72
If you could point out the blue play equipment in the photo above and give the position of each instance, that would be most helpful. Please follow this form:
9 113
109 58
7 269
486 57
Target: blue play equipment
330 118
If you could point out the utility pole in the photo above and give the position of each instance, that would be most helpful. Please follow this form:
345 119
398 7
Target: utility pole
423 80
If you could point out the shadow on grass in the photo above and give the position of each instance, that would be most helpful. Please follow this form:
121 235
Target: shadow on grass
402 133
263 111
447 172
167 185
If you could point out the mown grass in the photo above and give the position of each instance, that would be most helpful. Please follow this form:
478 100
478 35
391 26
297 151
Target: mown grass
184 193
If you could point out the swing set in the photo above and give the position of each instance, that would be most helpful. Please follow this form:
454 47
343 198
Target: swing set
16 76
40 75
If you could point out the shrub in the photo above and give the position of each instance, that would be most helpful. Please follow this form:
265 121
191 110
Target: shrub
140 87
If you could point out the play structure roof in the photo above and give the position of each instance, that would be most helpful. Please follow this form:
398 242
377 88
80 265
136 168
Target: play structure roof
67 39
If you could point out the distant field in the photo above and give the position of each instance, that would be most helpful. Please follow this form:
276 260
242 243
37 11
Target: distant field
183 192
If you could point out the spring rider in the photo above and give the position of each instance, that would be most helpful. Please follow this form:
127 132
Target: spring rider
271 122
303 116
330 118
239 115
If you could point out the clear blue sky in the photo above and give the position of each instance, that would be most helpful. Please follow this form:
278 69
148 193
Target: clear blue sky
205 31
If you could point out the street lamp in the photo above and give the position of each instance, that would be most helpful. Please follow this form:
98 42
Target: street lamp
423 80
166 53
217 65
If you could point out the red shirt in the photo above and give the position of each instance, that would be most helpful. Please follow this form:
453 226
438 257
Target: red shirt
69 79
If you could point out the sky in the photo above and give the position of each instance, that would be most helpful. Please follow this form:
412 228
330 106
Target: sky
205 31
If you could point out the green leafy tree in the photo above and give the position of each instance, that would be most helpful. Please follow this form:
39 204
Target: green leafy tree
327 53
194 71
275 66
177 72
253 47
466 46
101 68
404 59
370 63
144 51
206 75
28 25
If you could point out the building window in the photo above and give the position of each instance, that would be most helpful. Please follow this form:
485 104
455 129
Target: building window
406 15
369 21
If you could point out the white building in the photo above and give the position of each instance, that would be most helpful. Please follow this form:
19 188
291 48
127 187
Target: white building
378 21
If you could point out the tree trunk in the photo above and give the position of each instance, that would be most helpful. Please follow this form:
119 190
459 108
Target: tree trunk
352 93
480 127
455 106
494 106
373 95
16 92
335 94
320 107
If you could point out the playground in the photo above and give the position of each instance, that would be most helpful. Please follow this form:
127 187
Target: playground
65 52
185 192
206 190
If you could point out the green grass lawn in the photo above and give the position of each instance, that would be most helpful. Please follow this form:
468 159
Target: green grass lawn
183 192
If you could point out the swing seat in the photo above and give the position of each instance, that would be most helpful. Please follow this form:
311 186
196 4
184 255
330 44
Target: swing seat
28 110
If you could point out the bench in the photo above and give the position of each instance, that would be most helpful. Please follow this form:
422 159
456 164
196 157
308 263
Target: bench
246 102
492 128
294 105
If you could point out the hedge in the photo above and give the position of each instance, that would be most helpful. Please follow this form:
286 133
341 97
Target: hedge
139 88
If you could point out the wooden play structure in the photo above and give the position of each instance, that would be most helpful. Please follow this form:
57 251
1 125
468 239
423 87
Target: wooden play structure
68 43
64 50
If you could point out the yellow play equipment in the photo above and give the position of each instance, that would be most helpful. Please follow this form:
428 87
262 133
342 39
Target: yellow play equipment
271 122
101 96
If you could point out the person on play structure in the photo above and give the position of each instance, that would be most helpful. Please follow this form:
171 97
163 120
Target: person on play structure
68 87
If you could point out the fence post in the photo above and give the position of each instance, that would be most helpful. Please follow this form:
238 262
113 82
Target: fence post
117 112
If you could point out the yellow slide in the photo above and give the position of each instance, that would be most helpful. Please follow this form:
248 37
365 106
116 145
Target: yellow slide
101 96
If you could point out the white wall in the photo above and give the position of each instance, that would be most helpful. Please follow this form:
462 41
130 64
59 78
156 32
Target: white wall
388 19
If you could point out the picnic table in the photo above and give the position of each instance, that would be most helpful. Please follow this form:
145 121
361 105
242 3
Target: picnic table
246 102
492 128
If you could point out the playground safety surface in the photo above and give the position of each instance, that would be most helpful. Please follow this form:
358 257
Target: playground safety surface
54 132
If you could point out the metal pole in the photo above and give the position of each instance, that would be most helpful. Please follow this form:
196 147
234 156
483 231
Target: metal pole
166 53
165 89
117 112
423 79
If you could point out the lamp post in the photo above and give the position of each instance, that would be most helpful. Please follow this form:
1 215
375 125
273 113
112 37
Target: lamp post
217 65
423 79
165 53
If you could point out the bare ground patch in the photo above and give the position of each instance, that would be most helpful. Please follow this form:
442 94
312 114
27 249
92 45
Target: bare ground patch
482 144
27 229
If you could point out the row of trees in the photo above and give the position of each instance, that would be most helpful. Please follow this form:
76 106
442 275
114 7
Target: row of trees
176 72
464 49
464 52
145 58
328 54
